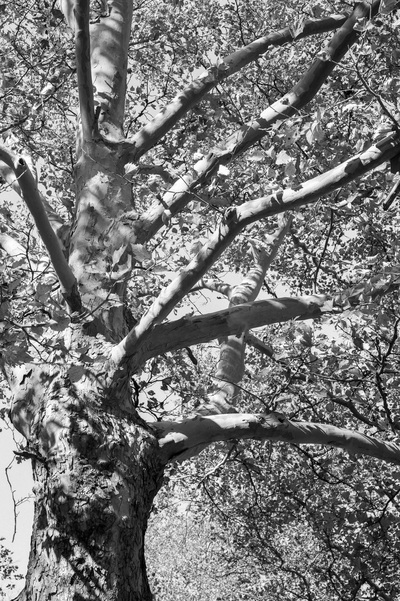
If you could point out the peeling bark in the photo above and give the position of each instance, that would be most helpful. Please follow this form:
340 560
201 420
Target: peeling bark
109 59
96 470
84 75
100 247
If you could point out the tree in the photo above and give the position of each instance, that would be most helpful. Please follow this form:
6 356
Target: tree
246 164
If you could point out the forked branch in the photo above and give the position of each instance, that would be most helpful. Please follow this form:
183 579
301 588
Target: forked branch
248 135
236 219
151 133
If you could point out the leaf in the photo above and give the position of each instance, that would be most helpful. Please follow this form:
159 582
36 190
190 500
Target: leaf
386 6
43 292
141 253
298 27
283 158
59 324
224 171
117 254
256 156
290 169
76 372
327 306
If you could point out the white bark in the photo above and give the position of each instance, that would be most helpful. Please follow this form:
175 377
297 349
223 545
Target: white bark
179 438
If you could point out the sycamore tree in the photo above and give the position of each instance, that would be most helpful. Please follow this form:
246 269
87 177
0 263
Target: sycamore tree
157 155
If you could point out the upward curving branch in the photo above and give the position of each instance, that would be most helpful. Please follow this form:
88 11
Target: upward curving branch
151 133
248 135
230 366
236 219
8 174
32 198
180 438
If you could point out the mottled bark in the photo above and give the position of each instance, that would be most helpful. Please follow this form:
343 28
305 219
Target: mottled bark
109 59
96 472
100 249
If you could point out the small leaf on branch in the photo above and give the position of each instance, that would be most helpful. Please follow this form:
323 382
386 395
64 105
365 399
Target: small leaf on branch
75 373
283 158
256 156
297 28
223 171
141 253
60 324
386 6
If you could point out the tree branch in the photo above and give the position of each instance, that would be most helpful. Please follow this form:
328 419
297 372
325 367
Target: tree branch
236 219
67 8
34 203
307 87
83 68
177 439
230 366
109 47
199 329
8 174
259 345
151 133
391 197
214 286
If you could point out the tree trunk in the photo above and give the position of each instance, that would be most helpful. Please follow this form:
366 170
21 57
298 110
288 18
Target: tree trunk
96 469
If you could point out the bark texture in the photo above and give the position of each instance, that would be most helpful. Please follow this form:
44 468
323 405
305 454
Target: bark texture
96 473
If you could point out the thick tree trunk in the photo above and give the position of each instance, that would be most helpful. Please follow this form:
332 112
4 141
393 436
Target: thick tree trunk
96 470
